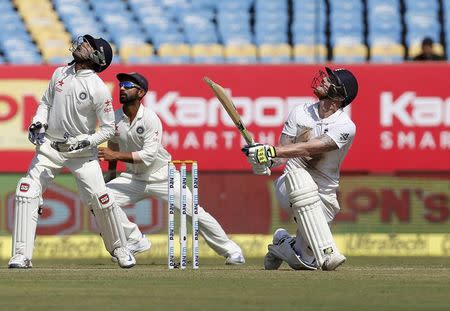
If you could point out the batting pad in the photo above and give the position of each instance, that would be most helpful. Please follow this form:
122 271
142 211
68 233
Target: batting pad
25 217
108 220
307 208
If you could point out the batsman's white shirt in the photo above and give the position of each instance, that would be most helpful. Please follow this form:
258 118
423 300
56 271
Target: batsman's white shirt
149 178
324 169
72 104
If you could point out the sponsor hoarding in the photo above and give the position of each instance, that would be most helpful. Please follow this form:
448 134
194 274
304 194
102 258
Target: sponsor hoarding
402 112
244 203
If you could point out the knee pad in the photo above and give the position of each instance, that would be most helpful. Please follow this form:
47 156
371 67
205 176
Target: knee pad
108 219
26 213
307 207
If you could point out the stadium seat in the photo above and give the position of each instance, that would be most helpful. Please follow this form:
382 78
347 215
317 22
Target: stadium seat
422 5
174 53
135 52
171 38
387 53
421 20
222 31
207 53
308 22
310 53
347 31
275 53
240 53
350 53
384 22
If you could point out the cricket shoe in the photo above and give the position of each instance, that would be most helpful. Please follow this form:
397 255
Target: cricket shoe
333 261
235 259
283 249
137 247
19 261
271 261
279 236
124 257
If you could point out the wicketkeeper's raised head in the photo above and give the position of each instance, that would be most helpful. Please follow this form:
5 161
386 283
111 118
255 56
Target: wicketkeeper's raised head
96 50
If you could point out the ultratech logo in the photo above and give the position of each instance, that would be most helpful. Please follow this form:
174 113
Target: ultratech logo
24 187
415 122
104 199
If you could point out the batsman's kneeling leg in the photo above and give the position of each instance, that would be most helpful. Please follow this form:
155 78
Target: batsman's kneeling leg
307 209
26 215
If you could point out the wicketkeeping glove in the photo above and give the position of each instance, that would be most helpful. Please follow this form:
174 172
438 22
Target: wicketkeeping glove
36 133
71 143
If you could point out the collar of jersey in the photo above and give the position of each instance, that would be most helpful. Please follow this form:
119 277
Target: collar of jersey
329 119
81 72
84 72
139 114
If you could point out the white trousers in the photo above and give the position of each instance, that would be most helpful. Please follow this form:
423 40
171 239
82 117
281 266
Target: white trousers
48 162
330 203
127 189
330 208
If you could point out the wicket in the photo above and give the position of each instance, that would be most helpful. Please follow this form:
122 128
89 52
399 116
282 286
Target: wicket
183 212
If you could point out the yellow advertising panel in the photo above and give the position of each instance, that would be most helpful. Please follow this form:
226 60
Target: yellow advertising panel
91 246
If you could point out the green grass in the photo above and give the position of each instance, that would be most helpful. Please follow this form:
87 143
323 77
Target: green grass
361 284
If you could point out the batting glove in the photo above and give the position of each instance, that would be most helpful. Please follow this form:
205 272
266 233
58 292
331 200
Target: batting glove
36 133
260 154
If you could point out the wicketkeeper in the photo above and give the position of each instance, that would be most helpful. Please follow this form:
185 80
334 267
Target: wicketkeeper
64 132
314 141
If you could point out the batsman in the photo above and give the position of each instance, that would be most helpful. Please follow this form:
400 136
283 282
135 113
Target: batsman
314 141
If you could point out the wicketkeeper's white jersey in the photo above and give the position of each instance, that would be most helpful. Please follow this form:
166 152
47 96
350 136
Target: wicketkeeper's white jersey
73 102
143 137
324 168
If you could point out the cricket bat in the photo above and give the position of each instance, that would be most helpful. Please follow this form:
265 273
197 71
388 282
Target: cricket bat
227 103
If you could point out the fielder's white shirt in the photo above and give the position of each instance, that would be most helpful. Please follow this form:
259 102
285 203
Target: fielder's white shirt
142 136
73 102
324 169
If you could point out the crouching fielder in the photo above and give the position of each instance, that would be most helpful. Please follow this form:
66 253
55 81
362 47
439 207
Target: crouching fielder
138 143
314 141
63 131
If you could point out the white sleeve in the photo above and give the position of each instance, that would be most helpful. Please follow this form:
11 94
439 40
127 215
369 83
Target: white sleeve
46 101
105 114
291 124
342 134
115 139
152 141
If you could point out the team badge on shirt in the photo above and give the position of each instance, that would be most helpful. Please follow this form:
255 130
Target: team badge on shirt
344 136
140 130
